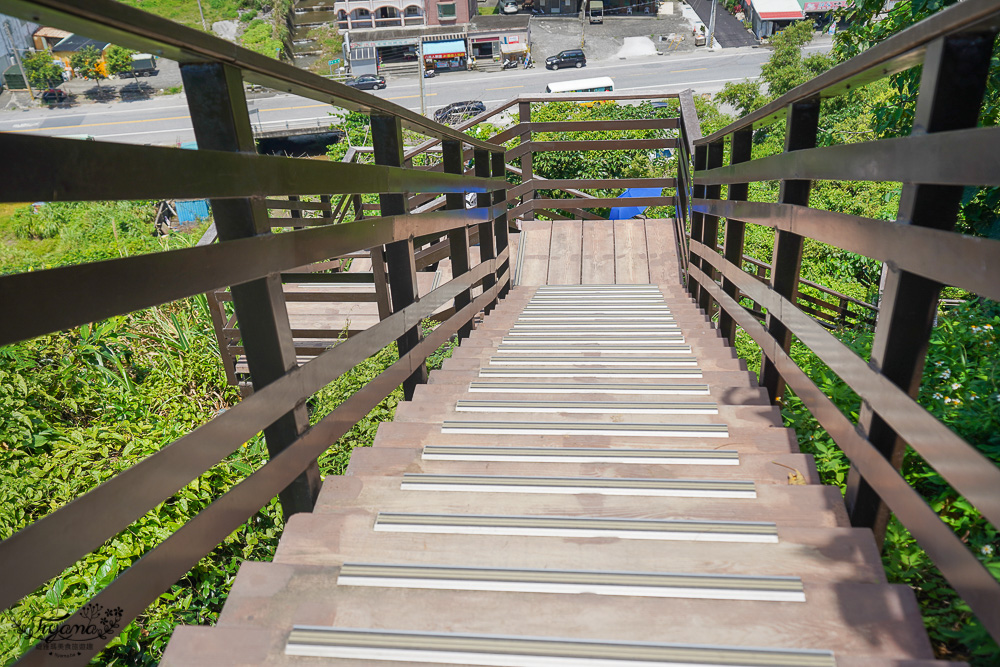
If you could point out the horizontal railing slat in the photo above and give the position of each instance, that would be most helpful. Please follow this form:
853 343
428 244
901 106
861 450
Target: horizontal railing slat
918 250
600 125
895 54
965 468
169 173
132 28
80 294
48 546
964 571
590 145
601 202
960 157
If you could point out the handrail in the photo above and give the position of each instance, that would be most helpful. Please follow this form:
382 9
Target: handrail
921 252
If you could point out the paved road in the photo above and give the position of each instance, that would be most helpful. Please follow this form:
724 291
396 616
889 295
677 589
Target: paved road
164 120
729 31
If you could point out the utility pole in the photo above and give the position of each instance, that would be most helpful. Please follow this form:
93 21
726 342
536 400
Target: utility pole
204 26
421 66
17 57
711 26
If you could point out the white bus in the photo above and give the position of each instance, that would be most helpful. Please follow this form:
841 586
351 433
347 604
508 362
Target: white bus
601 84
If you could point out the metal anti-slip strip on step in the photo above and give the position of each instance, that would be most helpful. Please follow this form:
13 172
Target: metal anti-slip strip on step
590 388
574 360
589 407
546 326
636 334
559 526
572 319
581 455
642 584
508 651
516 372
550 347
613 429
678 488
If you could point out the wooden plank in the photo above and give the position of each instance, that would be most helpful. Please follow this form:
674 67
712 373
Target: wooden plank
513 239
566 251
661 247
631 260
536 236
598 252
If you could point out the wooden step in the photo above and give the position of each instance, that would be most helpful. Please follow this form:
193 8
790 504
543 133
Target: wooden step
459 375
785 505
866 619
591 391
255 645
584 462
419 434
815 554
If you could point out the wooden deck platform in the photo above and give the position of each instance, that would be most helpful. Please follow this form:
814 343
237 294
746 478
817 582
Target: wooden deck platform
593 479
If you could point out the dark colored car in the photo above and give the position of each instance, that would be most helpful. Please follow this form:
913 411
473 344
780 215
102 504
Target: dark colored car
54 96
457 111
568 58
367 82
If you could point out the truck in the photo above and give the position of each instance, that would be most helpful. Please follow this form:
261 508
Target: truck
596 11
143 64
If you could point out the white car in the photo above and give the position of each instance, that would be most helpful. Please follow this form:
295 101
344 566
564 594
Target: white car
510 7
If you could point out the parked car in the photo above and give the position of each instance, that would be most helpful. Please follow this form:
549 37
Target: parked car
457 111
567 58
54 96
367 82
510 7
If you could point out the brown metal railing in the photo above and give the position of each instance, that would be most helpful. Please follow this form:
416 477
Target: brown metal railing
920 251
250 260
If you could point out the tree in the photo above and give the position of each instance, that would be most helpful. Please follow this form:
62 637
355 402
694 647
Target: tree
42 69
87 63
118 60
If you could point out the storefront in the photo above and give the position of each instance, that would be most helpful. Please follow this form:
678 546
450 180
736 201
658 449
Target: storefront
491 37
446 55
770 16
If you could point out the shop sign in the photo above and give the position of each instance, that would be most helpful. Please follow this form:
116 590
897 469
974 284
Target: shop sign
513 40
826 5
446 56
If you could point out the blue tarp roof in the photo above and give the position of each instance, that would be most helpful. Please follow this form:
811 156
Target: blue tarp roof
626 212
441 48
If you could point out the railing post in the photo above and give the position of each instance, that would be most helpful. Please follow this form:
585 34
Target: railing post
500 222
710 223
487 244
700 160
524 117
221 122
740 151
786 261
951 92
453 162
387 143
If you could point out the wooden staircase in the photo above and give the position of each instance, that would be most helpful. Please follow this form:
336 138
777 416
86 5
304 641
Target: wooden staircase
592 479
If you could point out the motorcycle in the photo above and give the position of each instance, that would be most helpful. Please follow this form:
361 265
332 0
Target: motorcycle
429 74
509 64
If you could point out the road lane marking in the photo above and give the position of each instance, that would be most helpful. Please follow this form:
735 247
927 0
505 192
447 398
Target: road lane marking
505 88
117 122
677 71
409 97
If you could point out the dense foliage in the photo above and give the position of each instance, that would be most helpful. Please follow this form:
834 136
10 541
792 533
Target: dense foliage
79 406
42 70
